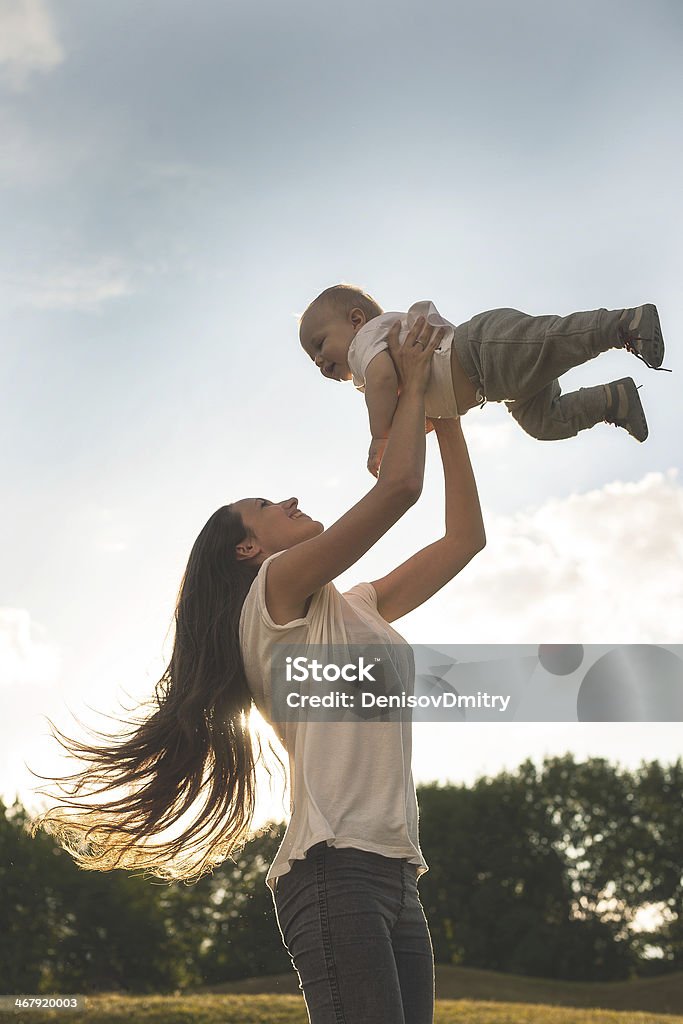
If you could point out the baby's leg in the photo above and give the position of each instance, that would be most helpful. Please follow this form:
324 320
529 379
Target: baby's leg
515 355
552 416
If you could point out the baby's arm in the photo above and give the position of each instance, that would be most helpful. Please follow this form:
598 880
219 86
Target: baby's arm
381 398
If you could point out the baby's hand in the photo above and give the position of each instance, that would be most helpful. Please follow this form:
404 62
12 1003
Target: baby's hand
375 454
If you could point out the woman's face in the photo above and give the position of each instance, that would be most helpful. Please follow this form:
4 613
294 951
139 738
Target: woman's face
273 526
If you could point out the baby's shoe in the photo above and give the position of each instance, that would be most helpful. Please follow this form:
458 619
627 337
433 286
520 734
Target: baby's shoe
624 408
640 332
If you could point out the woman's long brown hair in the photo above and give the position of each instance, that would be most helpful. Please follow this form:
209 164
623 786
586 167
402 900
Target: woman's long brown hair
198 738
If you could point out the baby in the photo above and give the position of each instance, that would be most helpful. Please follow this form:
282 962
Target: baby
499 355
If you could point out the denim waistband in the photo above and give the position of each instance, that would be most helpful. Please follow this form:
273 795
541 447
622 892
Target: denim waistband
369 855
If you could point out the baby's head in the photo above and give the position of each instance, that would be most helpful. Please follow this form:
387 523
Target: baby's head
329 324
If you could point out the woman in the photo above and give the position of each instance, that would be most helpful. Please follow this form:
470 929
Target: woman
260 573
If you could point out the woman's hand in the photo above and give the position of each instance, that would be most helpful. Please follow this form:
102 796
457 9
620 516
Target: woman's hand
306 566
413 359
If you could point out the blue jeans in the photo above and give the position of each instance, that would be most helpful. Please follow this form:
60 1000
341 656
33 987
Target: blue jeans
357 935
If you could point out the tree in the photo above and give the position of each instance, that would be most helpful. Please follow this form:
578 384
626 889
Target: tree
543 872
75 930
537 871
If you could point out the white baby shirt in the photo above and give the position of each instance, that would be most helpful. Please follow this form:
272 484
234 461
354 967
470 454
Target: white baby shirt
372 338
351 782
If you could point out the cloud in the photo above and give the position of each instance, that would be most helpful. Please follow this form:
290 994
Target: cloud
599 567
29 676
24 661
69 288
486 438
28 42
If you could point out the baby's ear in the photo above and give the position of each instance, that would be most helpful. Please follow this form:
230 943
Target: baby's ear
358 318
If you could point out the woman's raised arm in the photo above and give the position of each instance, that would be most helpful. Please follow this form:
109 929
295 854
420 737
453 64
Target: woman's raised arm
418 578
301 570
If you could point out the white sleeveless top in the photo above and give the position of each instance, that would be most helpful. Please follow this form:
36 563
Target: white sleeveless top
351 782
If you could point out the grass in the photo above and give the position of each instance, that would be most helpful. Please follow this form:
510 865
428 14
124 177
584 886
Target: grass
464 996
290 1009
652 995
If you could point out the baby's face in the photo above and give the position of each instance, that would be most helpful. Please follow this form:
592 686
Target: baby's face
326 335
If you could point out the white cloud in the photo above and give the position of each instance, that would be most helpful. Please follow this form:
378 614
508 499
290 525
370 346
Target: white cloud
599 567
28 42
24 661
76 287
490 437
29 684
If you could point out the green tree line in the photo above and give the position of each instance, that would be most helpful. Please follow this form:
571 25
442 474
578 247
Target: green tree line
539 872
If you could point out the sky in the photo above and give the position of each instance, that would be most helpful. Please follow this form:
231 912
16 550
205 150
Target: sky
178 180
